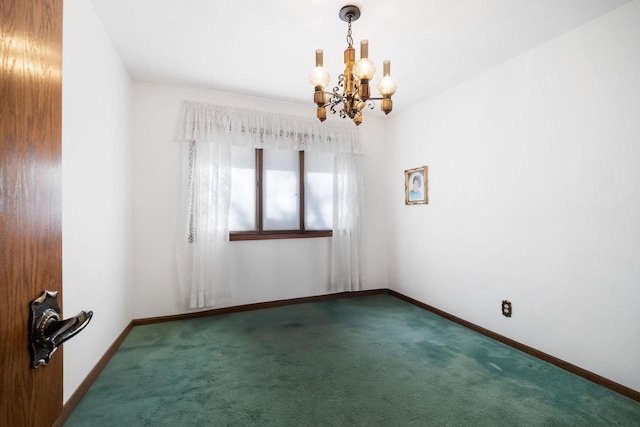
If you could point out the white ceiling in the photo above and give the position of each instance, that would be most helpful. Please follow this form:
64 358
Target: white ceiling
266 48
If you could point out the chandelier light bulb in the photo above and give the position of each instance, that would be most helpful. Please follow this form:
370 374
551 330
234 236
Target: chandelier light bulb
387 85
364 69
319 77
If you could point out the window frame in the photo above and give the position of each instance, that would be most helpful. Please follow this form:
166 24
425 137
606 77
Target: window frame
260 233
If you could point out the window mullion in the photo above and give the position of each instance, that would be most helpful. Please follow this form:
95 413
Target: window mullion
259 195
301 183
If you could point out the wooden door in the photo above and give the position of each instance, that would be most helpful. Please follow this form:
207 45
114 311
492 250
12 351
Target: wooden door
30 201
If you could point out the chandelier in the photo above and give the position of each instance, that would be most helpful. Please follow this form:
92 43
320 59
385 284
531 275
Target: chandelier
352 94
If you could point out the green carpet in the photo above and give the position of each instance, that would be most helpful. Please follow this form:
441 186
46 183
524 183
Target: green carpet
366 361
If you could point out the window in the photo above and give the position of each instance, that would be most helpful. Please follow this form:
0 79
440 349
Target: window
280 194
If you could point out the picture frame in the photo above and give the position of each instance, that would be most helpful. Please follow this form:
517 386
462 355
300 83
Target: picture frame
416 186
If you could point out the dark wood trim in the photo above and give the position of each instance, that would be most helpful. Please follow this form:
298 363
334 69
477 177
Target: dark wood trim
257 306
588 375
259 183
289 234
301 207
84 387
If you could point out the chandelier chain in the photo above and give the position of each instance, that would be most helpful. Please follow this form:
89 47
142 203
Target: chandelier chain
349 38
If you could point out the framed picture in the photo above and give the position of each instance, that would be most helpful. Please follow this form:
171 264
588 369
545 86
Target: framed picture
416 186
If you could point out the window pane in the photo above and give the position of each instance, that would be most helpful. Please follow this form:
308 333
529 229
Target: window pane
281 201
242 212
318 191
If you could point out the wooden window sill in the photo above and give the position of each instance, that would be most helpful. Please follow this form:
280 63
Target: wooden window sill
268 235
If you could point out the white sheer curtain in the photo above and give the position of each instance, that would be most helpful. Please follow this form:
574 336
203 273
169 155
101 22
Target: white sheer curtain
207 133
347 272
202 254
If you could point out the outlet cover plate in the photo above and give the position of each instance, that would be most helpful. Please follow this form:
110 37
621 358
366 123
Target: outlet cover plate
506 308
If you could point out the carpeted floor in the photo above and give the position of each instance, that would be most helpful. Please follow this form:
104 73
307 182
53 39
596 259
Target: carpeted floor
367 361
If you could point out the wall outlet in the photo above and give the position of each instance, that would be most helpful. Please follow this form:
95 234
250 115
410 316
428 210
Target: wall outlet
506 308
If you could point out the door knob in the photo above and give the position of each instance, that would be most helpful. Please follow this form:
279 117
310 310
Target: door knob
46 331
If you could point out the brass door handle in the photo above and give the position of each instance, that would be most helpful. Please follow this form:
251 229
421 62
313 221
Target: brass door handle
46 331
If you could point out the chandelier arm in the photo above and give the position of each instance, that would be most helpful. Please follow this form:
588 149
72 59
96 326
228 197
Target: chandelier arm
331 93
331 105
337 96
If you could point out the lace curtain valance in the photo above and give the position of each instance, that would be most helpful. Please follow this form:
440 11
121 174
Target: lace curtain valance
213 123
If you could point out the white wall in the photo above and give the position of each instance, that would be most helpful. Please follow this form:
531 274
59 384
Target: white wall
96 190
533 198
279 269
